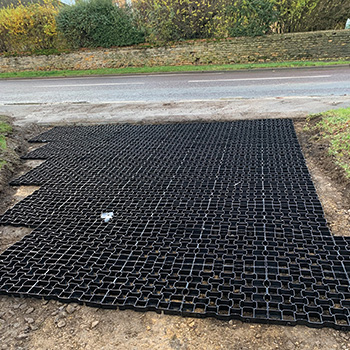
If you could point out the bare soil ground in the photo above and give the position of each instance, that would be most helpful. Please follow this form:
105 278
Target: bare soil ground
28 324
332 187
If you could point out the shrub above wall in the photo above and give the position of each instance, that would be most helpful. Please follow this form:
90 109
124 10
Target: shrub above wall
98 23
48 26
172 20
250 17
29 28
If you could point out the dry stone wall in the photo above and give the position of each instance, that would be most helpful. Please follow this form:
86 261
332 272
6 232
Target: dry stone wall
322 45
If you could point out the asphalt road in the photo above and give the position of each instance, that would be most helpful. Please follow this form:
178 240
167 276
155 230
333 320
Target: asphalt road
179 87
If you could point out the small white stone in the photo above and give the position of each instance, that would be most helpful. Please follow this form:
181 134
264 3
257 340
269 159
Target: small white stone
30 310
94 324
61 324
29 320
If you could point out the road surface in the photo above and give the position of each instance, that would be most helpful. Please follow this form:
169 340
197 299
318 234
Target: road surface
280 93
179 87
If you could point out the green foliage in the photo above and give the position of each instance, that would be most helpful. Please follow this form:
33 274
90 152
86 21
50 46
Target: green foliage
170 20
98 23
29 27
292 14
327 15
306 15
15 3
251 17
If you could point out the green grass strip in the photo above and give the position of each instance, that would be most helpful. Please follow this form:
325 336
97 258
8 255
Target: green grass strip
334 127
163 69
5 129
2 142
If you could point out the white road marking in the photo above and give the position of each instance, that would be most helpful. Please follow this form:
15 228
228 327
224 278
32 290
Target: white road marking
81 85
182 74
252 79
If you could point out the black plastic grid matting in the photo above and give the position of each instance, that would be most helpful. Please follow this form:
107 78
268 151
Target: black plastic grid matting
216 219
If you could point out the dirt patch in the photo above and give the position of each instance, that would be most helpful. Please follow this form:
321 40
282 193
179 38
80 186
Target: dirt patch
332 186
17 145
31 324
24 191
39 324
27 165
10 235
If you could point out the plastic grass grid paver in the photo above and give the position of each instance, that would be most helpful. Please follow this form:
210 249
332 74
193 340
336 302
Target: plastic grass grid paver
209 219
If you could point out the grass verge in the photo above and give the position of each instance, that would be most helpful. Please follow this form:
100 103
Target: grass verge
5 130
333 129
164 69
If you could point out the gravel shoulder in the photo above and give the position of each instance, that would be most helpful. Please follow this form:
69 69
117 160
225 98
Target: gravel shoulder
38 324
171 112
